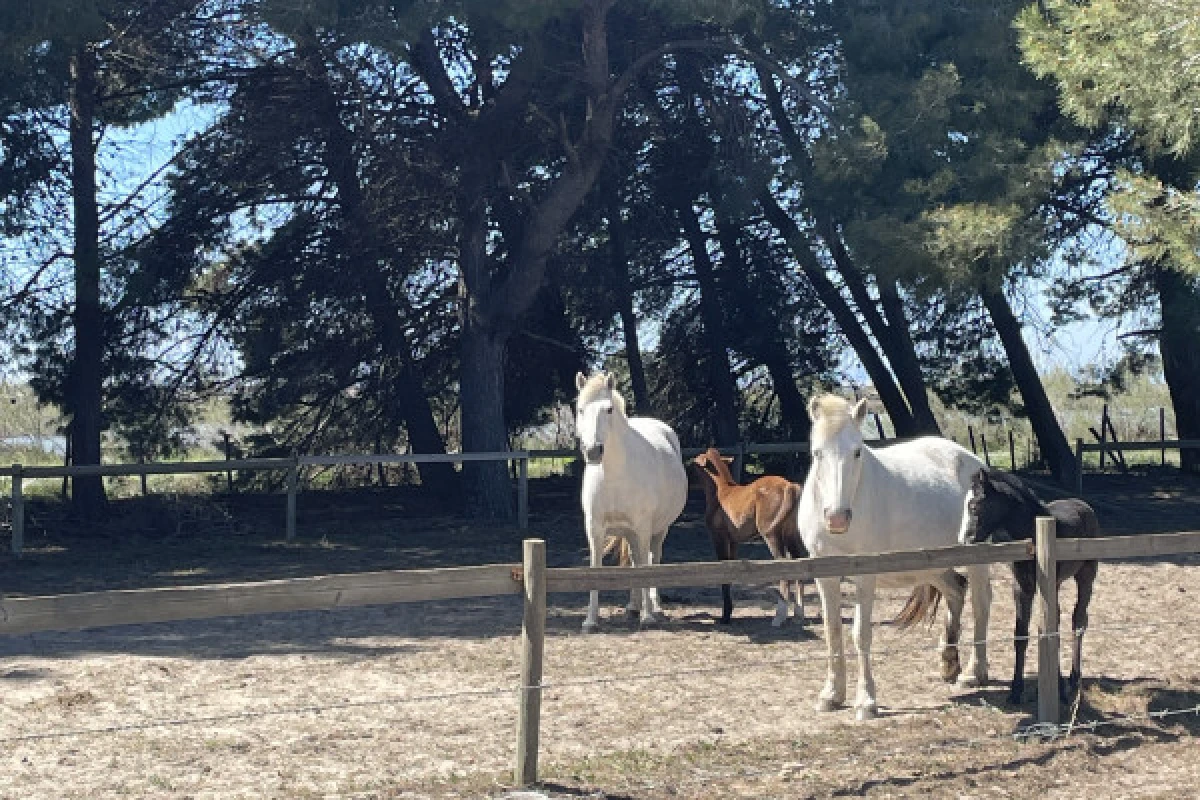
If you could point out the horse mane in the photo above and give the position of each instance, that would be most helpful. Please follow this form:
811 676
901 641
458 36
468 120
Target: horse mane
1010 485
596 387
714 457
830 414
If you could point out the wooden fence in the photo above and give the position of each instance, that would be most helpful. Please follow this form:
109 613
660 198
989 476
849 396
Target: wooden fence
293 465
531 578
1113 447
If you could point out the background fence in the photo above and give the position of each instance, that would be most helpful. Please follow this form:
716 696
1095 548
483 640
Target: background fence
294 465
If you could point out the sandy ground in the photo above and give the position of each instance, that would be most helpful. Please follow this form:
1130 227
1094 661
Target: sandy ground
419 700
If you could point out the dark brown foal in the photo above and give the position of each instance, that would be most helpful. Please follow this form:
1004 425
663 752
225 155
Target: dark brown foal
1002 508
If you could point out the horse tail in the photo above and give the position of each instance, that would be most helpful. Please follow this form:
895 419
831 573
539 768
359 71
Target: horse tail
923 604
620 546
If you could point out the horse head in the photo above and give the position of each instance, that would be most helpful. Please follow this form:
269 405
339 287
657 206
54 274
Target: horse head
993 505
594 408
837 450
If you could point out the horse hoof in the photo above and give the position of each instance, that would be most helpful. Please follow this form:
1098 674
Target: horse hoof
825 704
1015 698
971 681
778 622
866 712
590 627
633 613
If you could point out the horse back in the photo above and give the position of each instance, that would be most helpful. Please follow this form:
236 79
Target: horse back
1075 519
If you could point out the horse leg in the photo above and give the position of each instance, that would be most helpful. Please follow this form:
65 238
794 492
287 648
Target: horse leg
864 601
979 583
596 548
639 554
951 590
1023 591
655 557
726 551
1085 578
783 604
633 609
834 694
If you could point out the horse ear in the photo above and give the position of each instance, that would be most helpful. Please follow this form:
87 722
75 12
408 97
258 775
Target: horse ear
860 411
580 380
814 408
610 382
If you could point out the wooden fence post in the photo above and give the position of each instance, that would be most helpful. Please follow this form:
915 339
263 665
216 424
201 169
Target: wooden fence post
293 485
1079 466
523 492
18 511
533 641
1047 589
228 457
1162 432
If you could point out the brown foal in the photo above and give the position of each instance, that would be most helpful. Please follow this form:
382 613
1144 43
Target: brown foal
736 514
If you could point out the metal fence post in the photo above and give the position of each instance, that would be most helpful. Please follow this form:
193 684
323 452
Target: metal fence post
1047 589
739 461
1079 466
1162 433
18 511
523 492
533 641
293 484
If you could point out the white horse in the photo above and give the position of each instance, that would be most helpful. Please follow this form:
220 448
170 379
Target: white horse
634 485
907 496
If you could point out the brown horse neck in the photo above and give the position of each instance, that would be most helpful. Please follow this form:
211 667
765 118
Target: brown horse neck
723 471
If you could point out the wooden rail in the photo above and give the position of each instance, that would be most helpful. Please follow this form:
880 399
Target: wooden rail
1163 445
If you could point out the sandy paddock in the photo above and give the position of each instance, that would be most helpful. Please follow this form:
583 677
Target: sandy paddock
330 705
419 700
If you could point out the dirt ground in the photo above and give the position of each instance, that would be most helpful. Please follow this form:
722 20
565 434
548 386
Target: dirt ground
419 700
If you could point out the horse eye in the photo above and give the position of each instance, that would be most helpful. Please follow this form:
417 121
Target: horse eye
608 410
858 453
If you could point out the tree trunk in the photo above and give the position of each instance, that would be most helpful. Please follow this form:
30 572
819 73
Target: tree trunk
489 492
764 336
382 305
1054 446
620 270
903 357
889 393
1179 346
720 372
85 390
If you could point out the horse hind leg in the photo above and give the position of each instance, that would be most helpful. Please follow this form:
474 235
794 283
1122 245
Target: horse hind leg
979 584
950 585
783 604
652 606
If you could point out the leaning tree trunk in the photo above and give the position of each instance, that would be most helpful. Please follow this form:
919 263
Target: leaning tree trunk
381 303
798 242
1179 346
720 372
903 357
619 264
1051 440
764 337
86 383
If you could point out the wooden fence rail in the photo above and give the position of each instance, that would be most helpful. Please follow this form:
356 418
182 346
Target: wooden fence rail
1162 445
532 580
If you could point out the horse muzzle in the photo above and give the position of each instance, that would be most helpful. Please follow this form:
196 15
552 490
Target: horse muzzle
838 521
593 455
